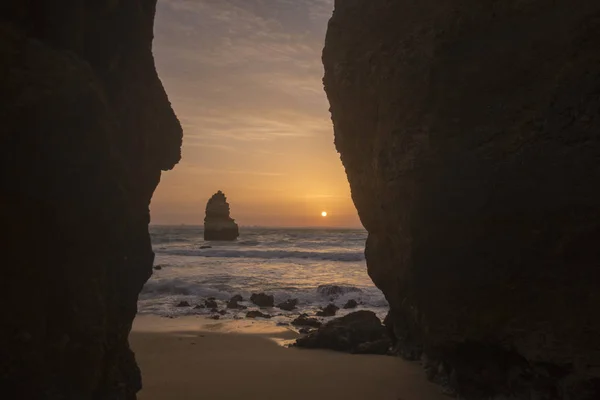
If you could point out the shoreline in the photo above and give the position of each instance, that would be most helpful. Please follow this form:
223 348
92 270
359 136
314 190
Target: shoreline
199 358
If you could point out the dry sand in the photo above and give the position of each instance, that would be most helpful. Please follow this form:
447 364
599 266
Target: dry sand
198 358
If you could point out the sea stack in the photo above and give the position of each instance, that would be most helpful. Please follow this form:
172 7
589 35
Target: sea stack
218 225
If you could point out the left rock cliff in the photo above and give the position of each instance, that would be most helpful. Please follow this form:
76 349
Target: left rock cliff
86 131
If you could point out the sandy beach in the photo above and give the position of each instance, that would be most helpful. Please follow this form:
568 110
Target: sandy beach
198 358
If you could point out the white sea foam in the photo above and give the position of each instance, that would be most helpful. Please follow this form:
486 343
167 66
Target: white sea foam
268 254
317 267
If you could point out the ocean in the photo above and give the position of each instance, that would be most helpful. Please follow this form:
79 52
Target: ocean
315 266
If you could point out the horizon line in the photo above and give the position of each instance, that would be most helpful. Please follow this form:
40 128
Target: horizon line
271 226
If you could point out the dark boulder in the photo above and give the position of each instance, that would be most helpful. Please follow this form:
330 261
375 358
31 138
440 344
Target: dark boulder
237 297
328 311
211 303
256 314
183 304
199 306
336 290
233 304
357 332
305 320
158 267
288 305
205 247
350 304
262 299
222 312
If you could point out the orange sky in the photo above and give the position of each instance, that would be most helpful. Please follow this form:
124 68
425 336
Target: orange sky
244 77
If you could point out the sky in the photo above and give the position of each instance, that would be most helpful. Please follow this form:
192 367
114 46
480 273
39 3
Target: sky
245 79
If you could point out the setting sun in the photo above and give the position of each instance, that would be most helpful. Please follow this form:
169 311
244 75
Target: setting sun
324 214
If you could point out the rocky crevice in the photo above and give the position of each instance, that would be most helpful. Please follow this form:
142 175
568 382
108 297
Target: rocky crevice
87 129
470 135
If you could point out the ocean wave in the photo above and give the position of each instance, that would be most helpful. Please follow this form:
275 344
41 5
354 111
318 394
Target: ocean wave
268 254
157 239
180 286
249 243
336 290
171 289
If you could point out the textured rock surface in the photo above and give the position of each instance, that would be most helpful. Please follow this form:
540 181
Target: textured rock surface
256 314
357 332
305 320
86 130
470 134
262 299
328 311
288 305
218 225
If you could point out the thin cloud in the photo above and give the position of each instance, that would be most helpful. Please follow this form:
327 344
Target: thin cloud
277 124
245 79
322 196
214 171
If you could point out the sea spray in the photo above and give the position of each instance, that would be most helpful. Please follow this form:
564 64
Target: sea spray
314 266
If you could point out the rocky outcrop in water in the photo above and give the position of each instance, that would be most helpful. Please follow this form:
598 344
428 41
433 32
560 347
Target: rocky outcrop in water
86 130
470 134
328 311
351 304
262 299
334 291
288 305
218 225
234 303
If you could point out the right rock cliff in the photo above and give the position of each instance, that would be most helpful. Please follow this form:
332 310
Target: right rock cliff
470 134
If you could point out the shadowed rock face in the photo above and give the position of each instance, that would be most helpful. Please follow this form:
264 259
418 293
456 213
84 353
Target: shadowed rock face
218 225
470 134
357 332
86 130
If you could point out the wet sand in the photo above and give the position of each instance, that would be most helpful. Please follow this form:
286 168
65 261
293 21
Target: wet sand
198 358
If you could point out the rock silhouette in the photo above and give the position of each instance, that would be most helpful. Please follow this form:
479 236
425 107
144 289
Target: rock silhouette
211 303
358 332
86 131
471 140
218 225
256 314
288 305
233 303
262 299
328 311
351 304
305 320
